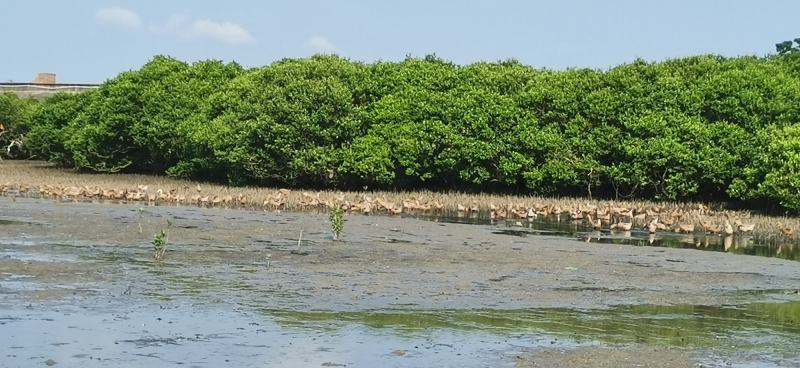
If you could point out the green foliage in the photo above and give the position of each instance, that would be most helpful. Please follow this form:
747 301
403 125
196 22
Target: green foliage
54 121
15 123
136 122
775 173
160 241
336 217
701 127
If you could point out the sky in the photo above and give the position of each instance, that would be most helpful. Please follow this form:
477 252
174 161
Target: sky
90 41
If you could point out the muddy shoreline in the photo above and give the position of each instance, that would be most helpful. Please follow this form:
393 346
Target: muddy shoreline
383 262
401 271
42 180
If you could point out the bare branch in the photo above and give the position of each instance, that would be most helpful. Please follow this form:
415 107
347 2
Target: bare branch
14 142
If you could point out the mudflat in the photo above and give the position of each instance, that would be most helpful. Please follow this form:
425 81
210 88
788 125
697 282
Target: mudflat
383 262
386 272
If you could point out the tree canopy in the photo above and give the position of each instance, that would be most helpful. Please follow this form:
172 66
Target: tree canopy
701 127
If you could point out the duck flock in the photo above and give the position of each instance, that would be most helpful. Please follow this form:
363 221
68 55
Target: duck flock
679 218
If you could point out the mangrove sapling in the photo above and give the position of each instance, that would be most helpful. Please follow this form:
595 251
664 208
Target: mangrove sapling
140 210
160 241
336 217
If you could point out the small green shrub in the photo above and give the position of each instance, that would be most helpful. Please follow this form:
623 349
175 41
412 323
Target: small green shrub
336 217
160 241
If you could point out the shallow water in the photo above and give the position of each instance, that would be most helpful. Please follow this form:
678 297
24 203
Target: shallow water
188 335
200 337
764 246
95 298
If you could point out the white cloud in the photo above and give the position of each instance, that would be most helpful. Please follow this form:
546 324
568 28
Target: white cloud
321 44
119 17
226 32
178 24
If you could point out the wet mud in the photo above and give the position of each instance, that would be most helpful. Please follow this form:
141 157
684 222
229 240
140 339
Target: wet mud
78 286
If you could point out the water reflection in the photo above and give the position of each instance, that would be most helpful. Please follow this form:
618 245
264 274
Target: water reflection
748 244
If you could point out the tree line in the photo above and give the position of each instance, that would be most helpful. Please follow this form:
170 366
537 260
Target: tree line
703 127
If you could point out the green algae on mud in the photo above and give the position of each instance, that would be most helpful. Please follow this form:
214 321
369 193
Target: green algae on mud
669 325
13 222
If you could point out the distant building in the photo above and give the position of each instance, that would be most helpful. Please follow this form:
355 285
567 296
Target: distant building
45 78
43 86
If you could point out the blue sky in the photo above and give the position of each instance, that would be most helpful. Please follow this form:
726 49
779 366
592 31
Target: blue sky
90 41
